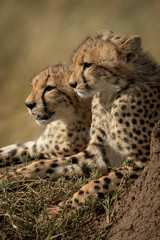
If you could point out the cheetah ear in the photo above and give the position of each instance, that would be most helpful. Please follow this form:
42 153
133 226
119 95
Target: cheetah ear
130 45
130 48
105 34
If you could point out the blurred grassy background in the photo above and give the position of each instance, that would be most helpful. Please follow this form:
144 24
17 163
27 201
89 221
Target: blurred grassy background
34 34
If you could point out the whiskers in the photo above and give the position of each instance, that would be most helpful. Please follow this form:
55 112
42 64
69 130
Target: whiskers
90 89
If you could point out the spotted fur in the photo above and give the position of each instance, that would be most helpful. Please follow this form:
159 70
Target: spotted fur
66 116
124 83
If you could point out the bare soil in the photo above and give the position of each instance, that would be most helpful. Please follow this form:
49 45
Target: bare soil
137 213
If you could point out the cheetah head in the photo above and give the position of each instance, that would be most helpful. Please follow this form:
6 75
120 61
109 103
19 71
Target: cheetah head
103 61
48 97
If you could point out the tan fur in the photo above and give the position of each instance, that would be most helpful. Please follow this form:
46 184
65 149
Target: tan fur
124 82
66 116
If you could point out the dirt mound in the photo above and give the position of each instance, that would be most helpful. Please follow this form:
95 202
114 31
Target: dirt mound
137 212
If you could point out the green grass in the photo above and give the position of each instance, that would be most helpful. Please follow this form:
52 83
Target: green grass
23 208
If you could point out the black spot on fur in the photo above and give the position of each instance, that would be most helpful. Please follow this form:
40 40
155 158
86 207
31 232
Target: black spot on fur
133 176
54 165
88 155
81 192
70 134
151 105
134 121
49 170
12 153
144 159
140 152
54 154
99 139
146 101
138 132
134 146
141 121
130 135
151 125
24 154
96 181
76 200
136 168
140 110
127 124
147 147
96 187
105 186
56 147
107 180
37 169
123 107
100 195
116 114
120 120
102 132
119 175
76 150
47 146
86 169
125 140
74 160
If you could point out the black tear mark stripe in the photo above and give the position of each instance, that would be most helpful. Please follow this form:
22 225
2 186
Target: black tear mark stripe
43 98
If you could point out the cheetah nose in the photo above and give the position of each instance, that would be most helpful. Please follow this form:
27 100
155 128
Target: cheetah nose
30 105
73 85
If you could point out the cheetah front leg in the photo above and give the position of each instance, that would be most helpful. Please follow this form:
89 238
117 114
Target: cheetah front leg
81 164
99 187
42 168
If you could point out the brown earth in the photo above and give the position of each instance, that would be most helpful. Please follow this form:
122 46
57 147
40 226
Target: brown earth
137 212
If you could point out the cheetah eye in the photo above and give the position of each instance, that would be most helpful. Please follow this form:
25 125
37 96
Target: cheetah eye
49 88
87 65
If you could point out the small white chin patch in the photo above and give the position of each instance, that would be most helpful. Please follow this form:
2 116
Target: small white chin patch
84 94
80 94
42 122
30 112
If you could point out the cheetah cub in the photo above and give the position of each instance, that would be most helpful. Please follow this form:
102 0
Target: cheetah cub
67 118
124 82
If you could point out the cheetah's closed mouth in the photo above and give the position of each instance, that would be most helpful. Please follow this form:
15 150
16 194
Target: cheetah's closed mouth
45 117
